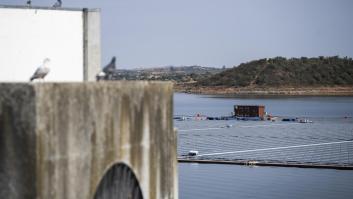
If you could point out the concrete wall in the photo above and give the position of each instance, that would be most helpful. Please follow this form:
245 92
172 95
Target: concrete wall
69 39
58 140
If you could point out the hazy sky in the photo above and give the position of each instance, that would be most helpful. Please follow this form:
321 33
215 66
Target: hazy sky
147 33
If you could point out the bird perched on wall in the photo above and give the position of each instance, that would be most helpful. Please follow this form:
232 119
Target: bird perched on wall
57 4
110 68
29 2
42 70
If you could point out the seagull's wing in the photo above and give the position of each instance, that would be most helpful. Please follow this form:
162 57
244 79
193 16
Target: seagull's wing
36 73
41 72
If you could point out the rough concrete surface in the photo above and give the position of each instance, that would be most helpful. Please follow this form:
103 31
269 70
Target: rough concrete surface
92 43
58 140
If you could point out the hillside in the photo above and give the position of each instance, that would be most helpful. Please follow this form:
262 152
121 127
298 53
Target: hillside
171 73
282 72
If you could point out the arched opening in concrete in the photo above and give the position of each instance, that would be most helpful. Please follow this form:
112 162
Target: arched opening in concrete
119 182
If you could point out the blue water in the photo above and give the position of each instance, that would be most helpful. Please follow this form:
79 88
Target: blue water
231 181
283 106
332 123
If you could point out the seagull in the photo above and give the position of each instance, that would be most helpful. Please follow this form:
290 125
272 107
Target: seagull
42 70
110 68
57 4
29 2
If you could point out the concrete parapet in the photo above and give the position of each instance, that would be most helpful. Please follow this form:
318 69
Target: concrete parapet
58 140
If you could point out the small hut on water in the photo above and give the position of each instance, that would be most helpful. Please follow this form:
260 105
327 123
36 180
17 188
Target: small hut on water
249 111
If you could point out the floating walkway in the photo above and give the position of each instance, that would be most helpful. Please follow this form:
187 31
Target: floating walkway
198 158
275 148
239 126
273 164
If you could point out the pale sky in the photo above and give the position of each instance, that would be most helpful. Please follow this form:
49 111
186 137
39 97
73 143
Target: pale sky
214 33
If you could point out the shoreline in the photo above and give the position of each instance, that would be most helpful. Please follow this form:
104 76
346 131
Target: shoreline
268 91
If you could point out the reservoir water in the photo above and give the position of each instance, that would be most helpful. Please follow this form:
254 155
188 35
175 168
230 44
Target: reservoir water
332 124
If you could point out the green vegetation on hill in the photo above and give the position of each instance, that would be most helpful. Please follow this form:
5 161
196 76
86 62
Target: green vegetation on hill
170 73
279 71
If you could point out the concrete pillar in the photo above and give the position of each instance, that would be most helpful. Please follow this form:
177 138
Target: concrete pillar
58 140
92 43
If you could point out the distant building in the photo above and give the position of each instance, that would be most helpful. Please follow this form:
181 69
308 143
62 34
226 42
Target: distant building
249 111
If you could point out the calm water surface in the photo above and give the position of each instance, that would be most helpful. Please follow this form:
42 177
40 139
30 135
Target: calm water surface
332 122
283 106
231 181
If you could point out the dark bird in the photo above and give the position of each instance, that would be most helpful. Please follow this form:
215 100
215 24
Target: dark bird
29 2
110 68
42 70
57 4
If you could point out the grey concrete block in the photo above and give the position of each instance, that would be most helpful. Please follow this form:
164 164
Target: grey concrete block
58 140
